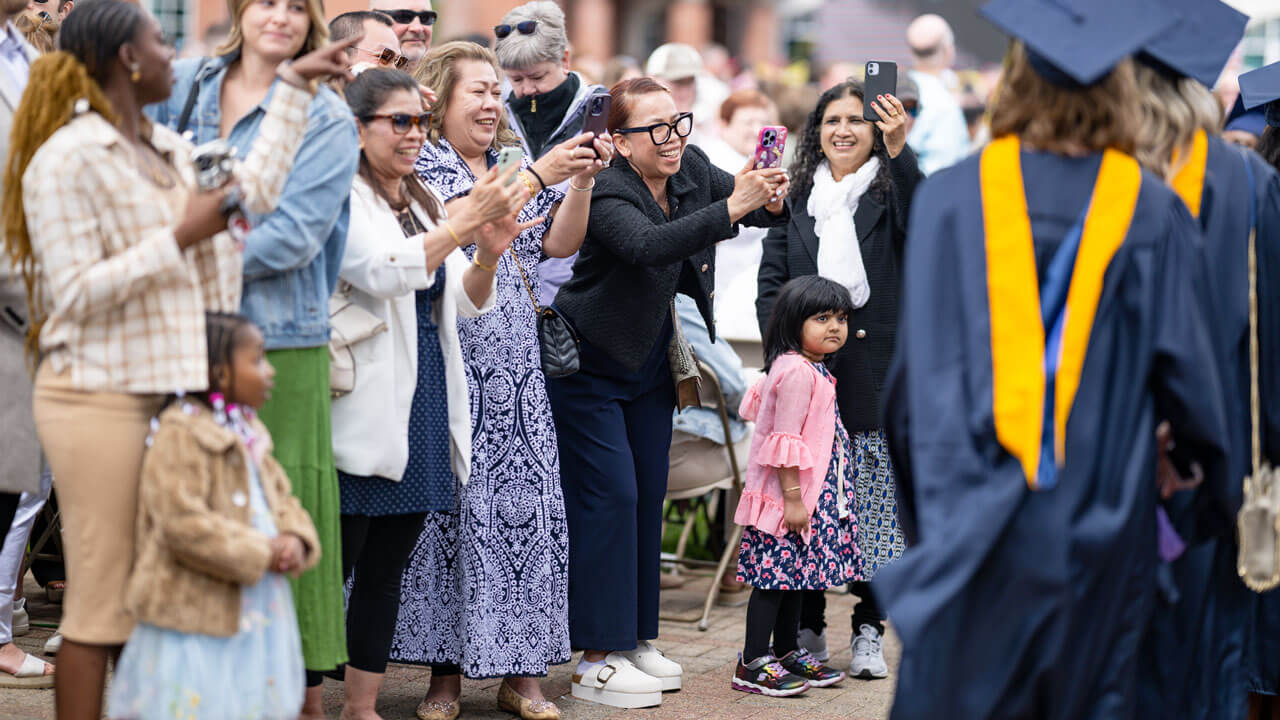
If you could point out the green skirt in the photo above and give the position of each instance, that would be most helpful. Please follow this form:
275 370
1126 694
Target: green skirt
298 417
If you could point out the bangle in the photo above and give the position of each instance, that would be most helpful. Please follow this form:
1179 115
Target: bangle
588 188
540 180
528 184
452 234
489 268
791 490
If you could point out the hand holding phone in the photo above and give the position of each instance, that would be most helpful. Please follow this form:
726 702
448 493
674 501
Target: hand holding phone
508 156
596 119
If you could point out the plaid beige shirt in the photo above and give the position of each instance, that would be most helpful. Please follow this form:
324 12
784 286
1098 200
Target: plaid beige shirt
124 307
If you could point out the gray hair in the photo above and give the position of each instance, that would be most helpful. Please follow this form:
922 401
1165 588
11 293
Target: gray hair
548 42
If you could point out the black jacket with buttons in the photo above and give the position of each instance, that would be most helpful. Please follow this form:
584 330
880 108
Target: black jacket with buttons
792 251
635 258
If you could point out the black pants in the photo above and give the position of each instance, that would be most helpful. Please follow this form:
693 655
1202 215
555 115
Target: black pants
376 550
8 508
773 613
866 612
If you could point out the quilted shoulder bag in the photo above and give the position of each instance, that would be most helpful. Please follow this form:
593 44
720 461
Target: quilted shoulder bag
557 340
684 365
1258 523
349 325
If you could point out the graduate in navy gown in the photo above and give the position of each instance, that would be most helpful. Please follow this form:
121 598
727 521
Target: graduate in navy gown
1262 628
1193 653
1054 309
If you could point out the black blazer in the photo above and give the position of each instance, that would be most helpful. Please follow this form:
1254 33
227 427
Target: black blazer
630 264
792 251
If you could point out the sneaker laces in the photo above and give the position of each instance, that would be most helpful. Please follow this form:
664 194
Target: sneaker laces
775 670
806 660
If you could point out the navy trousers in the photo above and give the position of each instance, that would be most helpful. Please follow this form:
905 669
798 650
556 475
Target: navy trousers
614 434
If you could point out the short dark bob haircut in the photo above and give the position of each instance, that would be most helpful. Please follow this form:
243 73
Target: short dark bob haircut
799 300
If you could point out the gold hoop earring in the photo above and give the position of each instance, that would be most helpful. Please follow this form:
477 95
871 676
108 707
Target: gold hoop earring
135 75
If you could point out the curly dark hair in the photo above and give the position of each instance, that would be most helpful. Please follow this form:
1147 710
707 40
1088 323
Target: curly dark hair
809 154
1269 146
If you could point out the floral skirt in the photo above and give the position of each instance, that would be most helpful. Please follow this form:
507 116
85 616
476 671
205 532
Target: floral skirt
831 557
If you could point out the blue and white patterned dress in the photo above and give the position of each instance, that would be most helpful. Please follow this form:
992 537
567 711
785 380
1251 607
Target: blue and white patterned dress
487 586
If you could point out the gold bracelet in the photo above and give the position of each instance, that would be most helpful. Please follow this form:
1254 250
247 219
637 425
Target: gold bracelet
452 234
791 490
490 268
588 188
527 183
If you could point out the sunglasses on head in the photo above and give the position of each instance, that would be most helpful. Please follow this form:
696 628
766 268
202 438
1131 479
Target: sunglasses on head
388 57
526 28
401 122
405 17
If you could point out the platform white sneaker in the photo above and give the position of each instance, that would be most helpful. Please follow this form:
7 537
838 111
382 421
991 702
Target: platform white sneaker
651 661
617 683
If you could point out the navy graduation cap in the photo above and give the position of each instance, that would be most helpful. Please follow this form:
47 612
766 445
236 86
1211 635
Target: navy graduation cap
1262 86
1199 45
1074 43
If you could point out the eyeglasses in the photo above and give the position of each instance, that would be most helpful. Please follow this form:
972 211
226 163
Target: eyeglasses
401 122
526 28
660 133
388 57
405 17
912 107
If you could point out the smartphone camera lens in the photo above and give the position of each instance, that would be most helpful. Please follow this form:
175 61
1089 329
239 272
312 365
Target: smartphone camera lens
769 137
597 106
873 68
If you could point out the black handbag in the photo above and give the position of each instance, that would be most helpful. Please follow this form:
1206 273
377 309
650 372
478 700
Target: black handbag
557 340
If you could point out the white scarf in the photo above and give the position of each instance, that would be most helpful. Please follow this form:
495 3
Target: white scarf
832 204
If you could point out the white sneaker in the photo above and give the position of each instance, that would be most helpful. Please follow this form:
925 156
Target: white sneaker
868 658
53 644
651 661
21 618
617 683
815 643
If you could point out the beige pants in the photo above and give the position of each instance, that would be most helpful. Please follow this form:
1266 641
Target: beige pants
94 443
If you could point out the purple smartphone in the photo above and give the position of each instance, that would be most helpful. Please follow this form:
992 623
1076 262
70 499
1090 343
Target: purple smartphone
769 146
596 119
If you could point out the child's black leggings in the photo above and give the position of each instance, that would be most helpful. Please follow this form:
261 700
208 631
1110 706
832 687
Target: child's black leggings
773 613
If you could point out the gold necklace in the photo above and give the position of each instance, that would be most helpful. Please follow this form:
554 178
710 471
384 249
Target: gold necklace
147 155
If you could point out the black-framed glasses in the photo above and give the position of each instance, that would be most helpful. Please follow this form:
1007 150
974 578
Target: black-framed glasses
388 57
526 28
401 122
660 132
405 17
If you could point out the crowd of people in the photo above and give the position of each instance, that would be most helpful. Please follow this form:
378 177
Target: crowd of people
340 346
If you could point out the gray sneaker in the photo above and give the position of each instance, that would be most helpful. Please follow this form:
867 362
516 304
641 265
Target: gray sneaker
815 643
868 657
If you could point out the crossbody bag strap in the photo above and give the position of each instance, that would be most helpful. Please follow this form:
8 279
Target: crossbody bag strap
185 118
536 308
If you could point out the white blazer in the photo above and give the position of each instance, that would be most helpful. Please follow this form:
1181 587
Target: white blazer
384 268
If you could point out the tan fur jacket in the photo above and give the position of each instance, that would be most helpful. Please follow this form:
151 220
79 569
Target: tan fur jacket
196 543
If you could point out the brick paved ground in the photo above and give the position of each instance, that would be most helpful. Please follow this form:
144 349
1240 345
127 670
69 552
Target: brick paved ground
708 659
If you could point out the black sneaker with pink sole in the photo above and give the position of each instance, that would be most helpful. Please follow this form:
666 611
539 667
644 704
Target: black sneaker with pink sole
766 676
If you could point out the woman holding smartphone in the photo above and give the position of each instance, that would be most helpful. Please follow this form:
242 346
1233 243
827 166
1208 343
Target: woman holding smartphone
853 185
484 593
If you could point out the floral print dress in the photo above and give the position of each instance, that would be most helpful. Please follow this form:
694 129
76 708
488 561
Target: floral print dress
831 557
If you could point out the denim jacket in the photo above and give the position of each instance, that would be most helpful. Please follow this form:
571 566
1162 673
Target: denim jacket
293 254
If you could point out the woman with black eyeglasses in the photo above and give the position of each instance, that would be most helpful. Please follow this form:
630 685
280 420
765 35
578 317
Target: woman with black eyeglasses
655 219
403 432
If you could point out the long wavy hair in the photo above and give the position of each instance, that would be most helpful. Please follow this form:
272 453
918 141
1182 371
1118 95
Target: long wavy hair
90 42
809 154
1173 109
1269 146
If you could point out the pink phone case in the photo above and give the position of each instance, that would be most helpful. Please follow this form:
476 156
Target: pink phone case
769 146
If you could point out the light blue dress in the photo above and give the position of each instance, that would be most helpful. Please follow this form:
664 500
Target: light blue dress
256 673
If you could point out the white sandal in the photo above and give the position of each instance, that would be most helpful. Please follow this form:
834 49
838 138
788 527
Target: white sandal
31 675
618 683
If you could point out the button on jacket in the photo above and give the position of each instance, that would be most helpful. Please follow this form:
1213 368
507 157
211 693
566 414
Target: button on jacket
630 266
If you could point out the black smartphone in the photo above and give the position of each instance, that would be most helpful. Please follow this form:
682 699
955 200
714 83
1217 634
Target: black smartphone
596 119
882 79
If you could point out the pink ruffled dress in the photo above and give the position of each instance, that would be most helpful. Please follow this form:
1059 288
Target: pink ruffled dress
795 413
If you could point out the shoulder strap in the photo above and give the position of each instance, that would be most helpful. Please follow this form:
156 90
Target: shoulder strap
536 309
190 105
